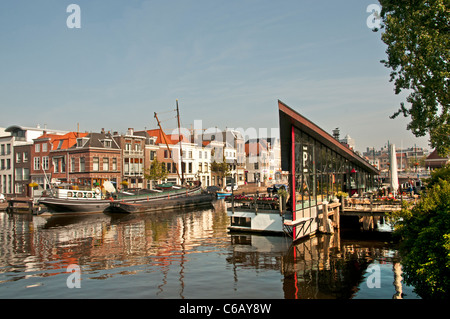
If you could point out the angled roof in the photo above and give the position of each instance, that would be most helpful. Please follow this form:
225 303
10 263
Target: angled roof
67 140
95 140
163 138
254 148
288 117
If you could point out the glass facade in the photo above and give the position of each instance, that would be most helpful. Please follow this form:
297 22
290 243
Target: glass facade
320 173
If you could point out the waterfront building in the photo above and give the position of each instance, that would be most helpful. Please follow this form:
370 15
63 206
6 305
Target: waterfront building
182 158
133 157
320 166
94 159
17 135
264 160
257 161
226 145
22 167
150 153
59 156
41 163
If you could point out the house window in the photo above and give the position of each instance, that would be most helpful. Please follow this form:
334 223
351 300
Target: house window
44 147
55 165
82 164
107 143
72 164
44 162
60 144
152 155
18 157
95 161
37 148
190 167
26 174
114 164
19 174
25 157
106 164
37 163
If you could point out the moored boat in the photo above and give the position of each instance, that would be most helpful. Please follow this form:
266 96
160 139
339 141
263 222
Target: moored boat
77 201
223 194
177 203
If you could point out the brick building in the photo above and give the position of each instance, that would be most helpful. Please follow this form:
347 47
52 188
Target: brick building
95 158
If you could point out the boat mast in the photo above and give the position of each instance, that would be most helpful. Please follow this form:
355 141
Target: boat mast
167 145
181 149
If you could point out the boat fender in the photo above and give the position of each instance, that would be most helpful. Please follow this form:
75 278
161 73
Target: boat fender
98 190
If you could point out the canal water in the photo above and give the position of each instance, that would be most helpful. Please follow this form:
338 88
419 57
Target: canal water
186 254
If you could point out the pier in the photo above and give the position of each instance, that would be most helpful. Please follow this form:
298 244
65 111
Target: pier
24 204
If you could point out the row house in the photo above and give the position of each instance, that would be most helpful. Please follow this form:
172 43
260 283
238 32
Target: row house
94 159
12 137
133 158
181 158
257 161
41 162
264 161
22 165
226 145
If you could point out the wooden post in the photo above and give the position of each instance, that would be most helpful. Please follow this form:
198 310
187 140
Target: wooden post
336 217
325 222
232 197
256 202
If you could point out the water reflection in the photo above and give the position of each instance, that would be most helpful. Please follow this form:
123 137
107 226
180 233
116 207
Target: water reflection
182 255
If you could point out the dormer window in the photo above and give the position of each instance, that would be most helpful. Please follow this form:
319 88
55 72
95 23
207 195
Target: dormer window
81 141
107 143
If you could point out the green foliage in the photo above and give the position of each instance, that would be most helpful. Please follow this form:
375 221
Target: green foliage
417 35
222 168
425 242
439 174
157 171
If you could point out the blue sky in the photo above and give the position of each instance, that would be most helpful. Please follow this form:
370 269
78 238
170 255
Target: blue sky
227 62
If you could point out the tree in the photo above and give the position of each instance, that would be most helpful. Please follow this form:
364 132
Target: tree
424 232
157 171
417 33
222 168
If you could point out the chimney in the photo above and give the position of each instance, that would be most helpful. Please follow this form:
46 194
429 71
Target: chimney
130 131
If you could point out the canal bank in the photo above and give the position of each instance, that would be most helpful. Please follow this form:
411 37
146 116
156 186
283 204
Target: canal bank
185 254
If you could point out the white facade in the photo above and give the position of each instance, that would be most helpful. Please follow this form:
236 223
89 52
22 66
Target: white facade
17 135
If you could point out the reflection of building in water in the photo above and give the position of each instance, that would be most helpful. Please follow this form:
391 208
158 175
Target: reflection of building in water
320 267
100 241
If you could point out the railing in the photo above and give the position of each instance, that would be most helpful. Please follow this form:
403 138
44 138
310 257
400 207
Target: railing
375 204
257 202
132 152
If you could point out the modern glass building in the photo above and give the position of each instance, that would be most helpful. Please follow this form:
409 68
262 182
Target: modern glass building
320 166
